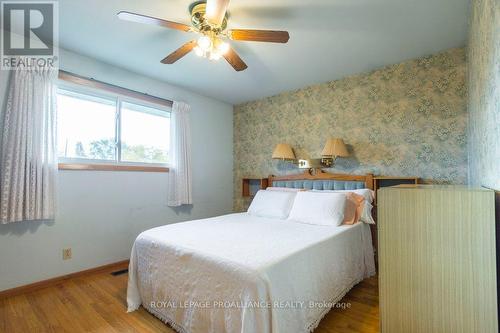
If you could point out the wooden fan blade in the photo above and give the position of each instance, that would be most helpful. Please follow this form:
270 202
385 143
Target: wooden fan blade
179 53
216 11
259 35
234 60
128 16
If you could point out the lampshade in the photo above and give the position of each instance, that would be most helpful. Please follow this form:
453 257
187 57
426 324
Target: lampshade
335 147
283 151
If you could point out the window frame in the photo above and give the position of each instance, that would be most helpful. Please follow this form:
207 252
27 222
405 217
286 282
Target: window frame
72 163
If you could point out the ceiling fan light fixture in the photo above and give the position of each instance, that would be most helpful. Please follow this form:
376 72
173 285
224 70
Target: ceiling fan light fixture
211 47
204 43
222 47
199 52
215 56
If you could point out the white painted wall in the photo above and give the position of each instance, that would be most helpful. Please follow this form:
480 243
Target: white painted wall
100 213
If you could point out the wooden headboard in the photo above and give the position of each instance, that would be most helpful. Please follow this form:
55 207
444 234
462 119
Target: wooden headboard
322 175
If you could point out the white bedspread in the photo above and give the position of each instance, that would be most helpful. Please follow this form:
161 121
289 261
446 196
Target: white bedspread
239 273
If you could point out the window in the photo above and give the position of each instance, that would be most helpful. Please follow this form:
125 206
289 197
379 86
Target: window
111 129
85 127
145 134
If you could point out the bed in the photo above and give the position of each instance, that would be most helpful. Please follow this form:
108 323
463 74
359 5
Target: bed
242 273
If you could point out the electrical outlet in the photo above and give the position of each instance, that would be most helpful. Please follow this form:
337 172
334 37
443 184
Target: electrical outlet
66 254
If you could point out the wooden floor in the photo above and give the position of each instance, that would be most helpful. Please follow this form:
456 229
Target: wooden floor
97 303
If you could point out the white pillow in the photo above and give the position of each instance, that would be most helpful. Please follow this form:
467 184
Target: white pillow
272 204
369 195
319 208
285 189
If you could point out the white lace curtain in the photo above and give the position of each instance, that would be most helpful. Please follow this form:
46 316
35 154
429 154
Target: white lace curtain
28 156
180 179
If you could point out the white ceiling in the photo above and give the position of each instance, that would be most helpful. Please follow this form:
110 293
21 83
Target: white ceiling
329 39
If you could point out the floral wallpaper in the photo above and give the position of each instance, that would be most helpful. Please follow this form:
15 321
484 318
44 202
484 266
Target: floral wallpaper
484 94
407 119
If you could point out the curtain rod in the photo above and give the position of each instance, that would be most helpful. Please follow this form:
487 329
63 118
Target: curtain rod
92 83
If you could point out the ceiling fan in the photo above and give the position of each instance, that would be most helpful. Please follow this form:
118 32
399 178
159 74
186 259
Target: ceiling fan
209 18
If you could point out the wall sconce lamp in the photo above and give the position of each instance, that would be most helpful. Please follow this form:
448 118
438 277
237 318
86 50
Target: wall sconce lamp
284 152
334 147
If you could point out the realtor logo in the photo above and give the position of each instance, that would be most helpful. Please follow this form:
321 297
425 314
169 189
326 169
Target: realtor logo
29 34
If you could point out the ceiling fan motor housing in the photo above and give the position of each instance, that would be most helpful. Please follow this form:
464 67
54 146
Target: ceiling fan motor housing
197 10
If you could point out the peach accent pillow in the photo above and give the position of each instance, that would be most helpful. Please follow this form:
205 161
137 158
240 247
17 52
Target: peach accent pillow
354 208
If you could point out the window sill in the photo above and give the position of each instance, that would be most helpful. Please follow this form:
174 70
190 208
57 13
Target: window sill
110 167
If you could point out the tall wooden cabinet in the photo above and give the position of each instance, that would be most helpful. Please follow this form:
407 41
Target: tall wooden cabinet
437 270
